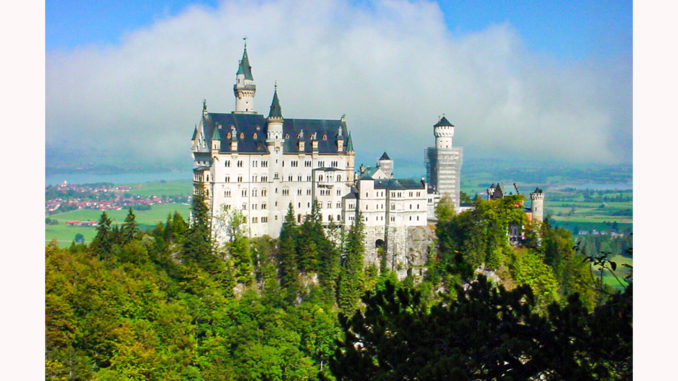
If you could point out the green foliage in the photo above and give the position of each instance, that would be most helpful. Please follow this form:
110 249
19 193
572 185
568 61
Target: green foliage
130 229
445 209
486 333
197 241
351 276
287 256
103 241
528 268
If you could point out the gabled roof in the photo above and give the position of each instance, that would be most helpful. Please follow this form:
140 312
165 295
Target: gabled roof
384 156
349 143
398 184
244 67
443 122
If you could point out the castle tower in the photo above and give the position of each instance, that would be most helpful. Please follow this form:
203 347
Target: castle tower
537 198
244 88
385 164
443 162
444 132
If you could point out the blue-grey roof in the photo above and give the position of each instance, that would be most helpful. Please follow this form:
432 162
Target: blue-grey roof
324 130
393 184
384 156
368 173
244 67
276 111
443 122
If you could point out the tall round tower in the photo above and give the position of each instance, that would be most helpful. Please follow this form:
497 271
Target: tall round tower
537 198
444 132
244 88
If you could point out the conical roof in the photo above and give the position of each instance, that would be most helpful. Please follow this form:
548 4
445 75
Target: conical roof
443 122
244 67
384 156
349 143
276 111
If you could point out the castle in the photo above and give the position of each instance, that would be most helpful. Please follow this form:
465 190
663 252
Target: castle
259 165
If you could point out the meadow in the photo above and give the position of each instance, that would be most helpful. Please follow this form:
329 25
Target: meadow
65 234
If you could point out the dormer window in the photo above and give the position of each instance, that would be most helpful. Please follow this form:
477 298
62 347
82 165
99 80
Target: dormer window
254 136
228 135
325 137
242 135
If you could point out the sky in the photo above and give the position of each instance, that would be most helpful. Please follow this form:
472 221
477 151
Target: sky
520 80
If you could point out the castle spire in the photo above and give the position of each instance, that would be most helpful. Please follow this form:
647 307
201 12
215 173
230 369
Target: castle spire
244 66
276 111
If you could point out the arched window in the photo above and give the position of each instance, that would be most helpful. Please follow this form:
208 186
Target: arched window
242 135
254 136
325 137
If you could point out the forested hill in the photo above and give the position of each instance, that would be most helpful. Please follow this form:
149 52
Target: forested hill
169 303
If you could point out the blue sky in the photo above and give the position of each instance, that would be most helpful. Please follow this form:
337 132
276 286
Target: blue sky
568 30
522 80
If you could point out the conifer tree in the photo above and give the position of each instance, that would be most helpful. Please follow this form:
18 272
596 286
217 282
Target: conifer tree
103 241
197 245
289 276
351 278
130 229
241 259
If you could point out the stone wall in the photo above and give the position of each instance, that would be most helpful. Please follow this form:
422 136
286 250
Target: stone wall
407 248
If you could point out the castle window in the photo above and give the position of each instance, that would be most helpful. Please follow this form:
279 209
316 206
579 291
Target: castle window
338 178
242 135
410 218
417 206
254 193
239 163
254 179
227 207
254 163
338 217
308 192
299 178
254 136
335 163
264 179
308 178
264 219
287 136
254 206
227 163
228 135
338 192
255 220
338 205
227 179
392 219
244 206
295 163
299 193
275 176
275 217
264 163
227 193
320 178
299 217
392 206
321 164
244 192
307 163
329 204
325 137
289 178
263 192
285 192
263 206
240 179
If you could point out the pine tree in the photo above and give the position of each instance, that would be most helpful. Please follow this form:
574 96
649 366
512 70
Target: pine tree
241 259
351 278
130 229
289 276
103 241
197 245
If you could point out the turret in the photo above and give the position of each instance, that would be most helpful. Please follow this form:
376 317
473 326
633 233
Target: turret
244 88
216 140
275 120
385 164
444 132
537 198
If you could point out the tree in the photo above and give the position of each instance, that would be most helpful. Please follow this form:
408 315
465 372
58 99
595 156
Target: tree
287 252
130 229
486 333
103 241
197 246
351 275
445 209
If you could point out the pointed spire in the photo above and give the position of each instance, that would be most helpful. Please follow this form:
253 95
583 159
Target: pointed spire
349 143
275 112
384 156
244 66
204 107
195 132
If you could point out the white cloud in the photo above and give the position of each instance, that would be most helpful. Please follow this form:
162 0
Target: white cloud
392 67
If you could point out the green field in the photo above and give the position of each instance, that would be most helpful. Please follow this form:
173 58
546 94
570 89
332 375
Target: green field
64 234
622 271
162 188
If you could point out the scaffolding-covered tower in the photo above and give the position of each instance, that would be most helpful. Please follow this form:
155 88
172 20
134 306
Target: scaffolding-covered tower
443 164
